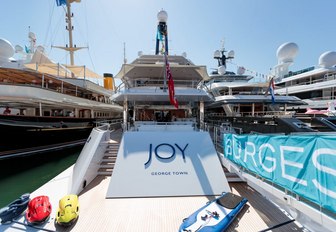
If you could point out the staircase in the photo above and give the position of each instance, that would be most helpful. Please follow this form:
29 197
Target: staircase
109 159
228 110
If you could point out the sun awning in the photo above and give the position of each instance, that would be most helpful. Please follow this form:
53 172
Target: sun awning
50 68
81 71
63 70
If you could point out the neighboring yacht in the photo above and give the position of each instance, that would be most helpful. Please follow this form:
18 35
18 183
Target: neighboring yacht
316 85
248 105
164 166
45 105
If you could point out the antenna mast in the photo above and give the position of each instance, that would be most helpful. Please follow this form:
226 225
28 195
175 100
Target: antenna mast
125 59
71 48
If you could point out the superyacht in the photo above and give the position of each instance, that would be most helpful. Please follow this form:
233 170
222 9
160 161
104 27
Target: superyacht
248 106
161 164
315 85
51 105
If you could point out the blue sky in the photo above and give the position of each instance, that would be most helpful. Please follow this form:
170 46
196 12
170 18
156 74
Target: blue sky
254 29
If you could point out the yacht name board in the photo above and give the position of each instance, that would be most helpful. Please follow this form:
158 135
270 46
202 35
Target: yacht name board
156 163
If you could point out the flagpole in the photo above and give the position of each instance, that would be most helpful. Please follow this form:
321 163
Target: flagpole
71 48
162 17
165 73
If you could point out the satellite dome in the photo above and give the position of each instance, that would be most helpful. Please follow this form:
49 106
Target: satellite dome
231 54
6 49
287 52
162 16
217 54
221 70
327 59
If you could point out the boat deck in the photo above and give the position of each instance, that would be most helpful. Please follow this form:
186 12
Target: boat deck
151 214
166 214
157 214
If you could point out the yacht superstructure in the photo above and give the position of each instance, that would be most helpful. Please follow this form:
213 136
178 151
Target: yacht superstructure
246 105
315 85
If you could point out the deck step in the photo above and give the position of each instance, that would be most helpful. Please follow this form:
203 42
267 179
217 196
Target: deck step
105 171
108 161
102 173
110 155
107 165
111 152
112 146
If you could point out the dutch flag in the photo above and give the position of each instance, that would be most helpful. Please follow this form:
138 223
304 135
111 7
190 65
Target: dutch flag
271 89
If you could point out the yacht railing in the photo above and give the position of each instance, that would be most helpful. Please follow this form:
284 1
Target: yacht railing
309 81
159 83
255 114
330 76
163 126
112 124
63 89
299 72
324 98
229 92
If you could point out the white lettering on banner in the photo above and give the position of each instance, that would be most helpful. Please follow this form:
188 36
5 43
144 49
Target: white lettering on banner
247 153
273 167
279 157
228 147
323 189
316 154
237 156
285 163
325 151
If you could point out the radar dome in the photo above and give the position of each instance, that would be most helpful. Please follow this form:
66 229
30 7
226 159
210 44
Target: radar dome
287 52
217 54
221 70
6 49
327 59
231 54
162 16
